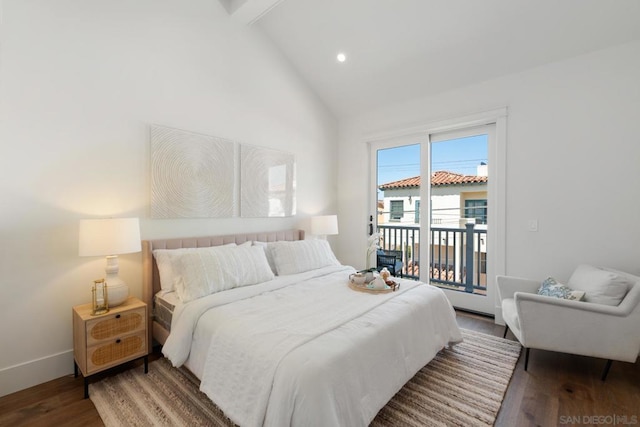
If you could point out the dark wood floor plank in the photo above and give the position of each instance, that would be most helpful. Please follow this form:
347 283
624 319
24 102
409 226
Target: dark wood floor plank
555 388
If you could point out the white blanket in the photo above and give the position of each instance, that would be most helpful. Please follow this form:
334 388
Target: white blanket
304 354
186 316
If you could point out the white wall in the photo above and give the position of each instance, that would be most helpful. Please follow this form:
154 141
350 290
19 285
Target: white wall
80 81
573 161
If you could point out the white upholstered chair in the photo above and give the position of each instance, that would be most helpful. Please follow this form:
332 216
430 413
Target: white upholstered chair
596 326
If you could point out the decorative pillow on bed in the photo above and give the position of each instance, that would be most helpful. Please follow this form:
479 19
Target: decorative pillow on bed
216 269
302 255
600 286
551 288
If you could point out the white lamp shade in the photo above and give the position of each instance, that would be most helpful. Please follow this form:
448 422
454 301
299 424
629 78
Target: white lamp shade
113 236
324 225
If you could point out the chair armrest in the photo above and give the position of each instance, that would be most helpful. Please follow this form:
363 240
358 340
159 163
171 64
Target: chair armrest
563 304
509 285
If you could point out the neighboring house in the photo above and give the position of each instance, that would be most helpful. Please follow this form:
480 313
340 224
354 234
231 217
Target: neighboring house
454 197
456 200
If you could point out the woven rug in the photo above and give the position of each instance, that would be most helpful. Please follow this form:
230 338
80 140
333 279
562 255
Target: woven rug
462 386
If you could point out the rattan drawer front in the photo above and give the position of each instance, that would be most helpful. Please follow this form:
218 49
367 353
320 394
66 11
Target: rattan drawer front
114 325
115 351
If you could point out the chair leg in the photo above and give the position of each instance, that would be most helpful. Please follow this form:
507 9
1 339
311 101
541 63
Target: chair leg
526 358
606 370
506 329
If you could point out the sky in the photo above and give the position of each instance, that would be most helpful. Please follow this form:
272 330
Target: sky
461 155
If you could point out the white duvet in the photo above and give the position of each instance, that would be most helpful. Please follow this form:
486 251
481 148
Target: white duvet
306 350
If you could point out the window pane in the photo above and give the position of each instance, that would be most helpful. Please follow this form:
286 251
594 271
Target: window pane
476 209
397 210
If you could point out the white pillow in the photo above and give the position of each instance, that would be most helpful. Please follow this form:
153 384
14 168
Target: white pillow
302 255
218 268
269 253
600 286
167 261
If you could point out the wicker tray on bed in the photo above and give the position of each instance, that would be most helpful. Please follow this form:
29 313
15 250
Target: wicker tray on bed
363 288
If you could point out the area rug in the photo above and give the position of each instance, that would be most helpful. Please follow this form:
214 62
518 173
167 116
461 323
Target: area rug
462 386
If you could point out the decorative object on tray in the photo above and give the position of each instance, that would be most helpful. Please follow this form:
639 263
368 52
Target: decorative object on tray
377 284
356 282
370 280
393 285
372 246
357 278
369 274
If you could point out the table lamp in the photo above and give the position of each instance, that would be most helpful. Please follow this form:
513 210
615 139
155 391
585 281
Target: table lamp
324 225
110 237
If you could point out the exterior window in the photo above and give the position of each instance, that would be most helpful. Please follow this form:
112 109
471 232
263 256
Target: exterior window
476 209
417 214
397 210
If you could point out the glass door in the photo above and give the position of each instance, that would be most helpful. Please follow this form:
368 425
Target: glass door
397 170
435 204
459 226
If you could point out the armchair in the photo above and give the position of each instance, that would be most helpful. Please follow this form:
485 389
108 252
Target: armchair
390 259
577 327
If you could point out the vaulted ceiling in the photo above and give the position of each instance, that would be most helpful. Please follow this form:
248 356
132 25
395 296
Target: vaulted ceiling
398 50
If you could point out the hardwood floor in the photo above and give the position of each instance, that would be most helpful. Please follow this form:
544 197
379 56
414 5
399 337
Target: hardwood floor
562 389
558 389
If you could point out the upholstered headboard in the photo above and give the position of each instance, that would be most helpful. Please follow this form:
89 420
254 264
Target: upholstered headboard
151 276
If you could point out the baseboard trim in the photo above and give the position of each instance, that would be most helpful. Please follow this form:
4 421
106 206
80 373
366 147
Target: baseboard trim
478 313
27 374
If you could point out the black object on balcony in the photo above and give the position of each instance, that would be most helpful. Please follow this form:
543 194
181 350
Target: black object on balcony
390 259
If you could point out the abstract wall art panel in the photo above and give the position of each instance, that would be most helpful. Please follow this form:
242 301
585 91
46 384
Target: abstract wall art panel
192 175
267 182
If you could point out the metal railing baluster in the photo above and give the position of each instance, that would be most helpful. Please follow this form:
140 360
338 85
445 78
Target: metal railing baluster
467 267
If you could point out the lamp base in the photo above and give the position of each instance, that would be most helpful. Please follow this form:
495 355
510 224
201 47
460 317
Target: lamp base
118 293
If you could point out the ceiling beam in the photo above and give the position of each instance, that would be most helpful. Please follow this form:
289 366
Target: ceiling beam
249 11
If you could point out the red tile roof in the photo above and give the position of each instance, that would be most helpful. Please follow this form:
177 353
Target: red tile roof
438 178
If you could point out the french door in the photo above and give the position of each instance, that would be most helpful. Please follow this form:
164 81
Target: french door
439 202
458 254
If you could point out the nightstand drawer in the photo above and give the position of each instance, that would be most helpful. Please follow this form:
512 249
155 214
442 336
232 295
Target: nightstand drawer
114 351
114 325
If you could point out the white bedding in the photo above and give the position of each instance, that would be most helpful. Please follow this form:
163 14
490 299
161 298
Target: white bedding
307 350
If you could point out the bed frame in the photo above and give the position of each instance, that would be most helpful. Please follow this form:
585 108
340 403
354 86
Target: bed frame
151 276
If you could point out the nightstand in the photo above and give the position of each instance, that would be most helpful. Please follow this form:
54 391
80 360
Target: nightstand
108 340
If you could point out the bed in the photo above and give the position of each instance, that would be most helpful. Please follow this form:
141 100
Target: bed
294 345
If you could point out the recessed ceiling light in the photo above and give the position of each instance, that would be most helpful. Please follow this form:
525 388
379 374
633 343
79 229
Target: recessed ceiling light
341 57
